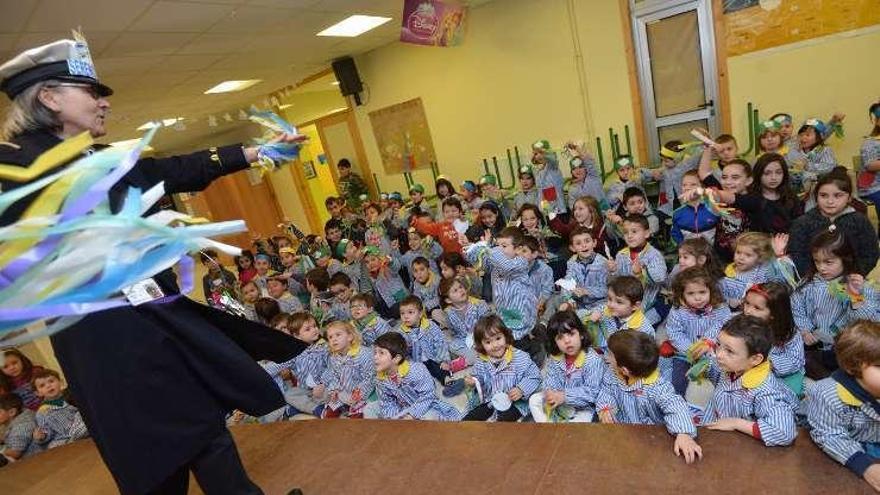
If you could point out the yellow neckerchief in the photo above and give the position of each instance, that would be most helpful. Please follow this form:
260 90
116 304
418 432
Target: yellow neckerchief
633 321
508 355
423 325
847 397
730 271
367 320
578 361
318 342
402 371
429 281
648 380
353 351
471 301
754 377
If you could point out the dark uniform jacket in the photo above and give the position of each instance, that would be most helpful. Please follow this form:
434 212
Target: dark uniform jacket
154 382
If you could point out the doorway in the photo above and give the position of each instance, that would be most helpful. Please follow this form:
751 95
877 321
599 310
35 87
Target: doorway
678 79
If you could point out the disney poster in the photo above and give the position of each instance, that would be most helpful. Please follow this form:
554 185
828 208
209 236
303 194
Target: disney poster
433 22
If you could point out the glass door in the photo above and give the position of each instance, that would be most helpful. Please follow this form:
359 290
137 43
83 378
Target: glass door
675 51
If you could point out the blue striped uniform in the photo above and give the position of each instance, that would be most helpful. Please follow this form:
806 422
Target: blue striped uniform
371 327
757 395
614 189
532 197
514 299
425 342
581 381
816 163
514 369
735 284
609 325
289 303
653 273
590 275
670 184
548 175
411 392
428 292
340 310
462 322
815 309
788 359
61 422
685 326
842 424
347 372
541 278
355 271
311 362
430 253
274 370
870 152
591 186
646 401
388 285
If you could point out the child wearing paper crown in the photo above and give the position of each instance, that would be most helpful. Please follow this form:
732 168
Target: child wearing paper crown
384 274
674 165
693 324
770 138
831 294
843 408
418 203
528 193
503 378
351 264
491 192
548 177
634 392
573 376
868 179
405 388
625 176
586 180
470 199
811 157
748 397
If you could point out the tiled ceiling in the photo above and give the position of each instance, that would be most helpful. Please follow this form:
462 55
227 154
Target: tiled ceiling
161 55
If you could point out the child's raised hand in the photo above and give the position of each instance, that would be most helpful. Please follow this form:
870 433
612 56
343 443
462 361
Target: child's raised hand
809 338
612 266
595 316
515 394
470 381
872 476
855 283
464 241
687 447
780 244
605 416
487 236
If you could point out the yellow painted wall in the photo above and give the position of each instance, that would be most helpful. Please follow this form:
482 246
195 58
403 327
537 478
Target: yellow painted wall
513 80
322 186
313 104
811 79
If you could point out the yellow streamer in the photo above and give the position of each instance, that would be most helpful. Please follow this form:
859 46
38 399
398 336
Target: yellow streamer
58 155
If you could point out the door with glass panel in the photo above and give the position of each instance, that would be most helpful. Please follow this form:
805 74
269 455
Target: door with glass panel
675 52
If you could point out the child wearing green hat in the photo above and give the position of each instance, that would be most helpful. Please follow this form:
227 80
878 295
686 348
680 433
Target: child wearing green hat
548 177
585 177
418 202
528 193
491 192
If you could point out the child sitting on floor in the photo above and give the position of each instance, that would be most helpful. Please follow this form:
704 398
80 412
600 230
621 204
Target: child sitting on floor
462 313
350 376
622 311
642 261
58 421
278 290
17 440
427 344
424 286
342 289
365 319
308 367
388 287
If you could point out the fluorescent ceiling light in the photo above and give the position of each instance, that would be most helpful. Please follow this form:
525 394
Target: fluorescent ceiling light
130 142
335 83
232 86
354 26
164 122
285 106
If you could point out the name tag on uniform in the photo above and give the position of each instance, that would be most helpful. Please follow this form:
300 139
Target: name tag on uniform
143 292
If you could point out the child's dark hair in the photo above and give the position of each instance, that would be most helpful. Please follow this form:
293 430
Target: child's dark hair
635 351
453 202
819 139
535 210
874 112
778 299
281 319
413 301
629 287
283 281
639 219
837 176
372 206
753 331
858 345
725 138
512 233
700 247
245 254
489 326
340 278
450 189
394 343
343 163
208 256
835 243
11 401
365 298
454 260
421 261
691 173
531 242
674 145
446 286
632 192
747 167
494 208
318 278
332 224
695 274
561 323
331 200
296 321
27 366
787 196
41 373
267 308
580 230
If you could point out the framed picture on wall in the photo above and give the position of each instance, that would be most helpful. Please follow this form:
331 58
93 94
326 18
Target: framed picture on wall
309 169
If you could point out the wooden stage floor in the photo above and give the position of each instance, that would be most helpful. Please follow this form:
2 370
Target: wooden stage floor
406 457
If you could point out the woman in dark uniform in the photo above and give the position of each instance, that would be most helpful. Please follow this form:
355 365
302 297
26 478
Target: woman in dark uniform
155 381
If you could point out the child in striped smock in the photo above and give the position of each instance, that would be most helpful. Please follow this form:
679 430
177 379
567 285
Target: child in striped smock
342 289
58 421
694 322
868 178
623 311
586 180
643 261
309 366
830 296
350 376
843 409
351 265
573 376
454 265
369 324
515 301
405 388
504 377
540 273
588 270
771 302
748 397
757 258
462 313
811 157
420 245
633 392
424 286
388 287
427 344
